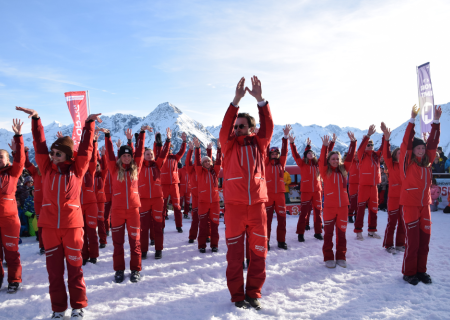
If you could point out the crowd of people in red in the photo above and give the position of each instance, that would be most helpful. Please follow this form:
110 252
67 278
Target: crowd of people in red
81 197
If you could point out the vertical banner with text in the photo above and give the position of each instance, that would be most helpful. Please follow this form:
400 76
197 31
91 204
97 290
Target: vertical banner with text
426 98
76 101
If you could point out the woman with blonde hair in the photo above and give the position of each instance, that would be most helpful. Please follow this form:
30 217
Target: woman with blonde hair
334 173
126 204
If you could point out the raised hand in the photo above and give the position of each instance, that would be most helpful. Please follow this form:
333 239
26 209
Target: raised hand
118 144
425 137
168 133
240 91
26 149
184 136
383 127
17 126
437 112
209 145
95 117
12 145
96 134
291 138
196 143
371 130
103 151
147 127
287 129
59 134
325 140
308 141
129 134
218 144
104 130
414 111
31 112
351 136
256 91
191 145
334 137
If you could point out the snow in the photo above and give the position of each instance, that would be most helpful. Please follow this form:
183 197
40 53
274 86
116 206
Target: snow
186 284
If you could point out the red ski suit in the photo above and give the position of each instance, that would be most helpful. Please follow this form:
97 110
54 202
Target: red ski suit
336 204
38 193
108 195
170 181
416 199
353 185
311 191
185 189
369 178
394 207
208 199
125 207
99 182
9 217
245 196
275 191
150 192
61 217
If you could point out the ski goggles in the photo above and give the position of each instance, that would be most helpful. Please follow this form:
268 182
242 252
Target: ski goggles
274 149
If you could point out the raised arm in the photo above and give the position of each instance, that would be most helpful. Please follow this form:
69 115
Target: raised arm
407 143
351 151
323 165
180 153
29 165
109 152
284 147
140 147
188 161
332 143
129 135
387 146
295 154
19 154
86 147
198 163
218 163
165 150
365 141
433 140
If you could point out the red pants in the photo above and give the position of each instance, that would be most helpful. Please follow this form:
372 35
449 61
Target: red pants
394 215
310 200
417 222
208 212
381 196
367 196
90 216
68 243
194 223
107 220
185 200
334 218
9 240
277 203
37 210
101 222
240 219
172 191
130 217
353 199
151 217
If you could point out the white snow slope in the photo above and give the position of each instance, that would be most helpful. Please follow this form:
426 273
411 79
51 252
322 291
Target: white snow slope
186 284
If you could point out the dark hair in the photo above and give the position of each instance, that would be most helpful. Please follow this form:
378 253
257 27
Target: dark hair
433 181
251 121
394 154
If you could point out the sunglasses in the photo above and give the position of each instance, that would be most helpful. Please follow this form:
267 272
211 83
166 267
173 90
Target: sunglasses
370 144
56 154
241 126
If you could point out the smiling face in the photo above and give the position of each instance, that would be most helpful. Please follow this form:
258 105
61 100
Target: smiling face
207 164
274 155
419 151
4 158
57 156
148 155
126 158
310 155
334 160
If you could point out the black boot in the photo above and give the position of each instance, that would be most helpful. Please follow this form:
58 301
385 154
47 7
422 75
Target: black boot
167 218
287 212
318 236
301 238
13 287
185 216
135 276
214 249
144 255
350 219
85 261
102 245
268 246
179 230
253 302
41 251
107 233
93 260
152 242
158 254
1 281
191 240
424 277
282 245
118 277
242 304
307 228
37 235
202 250
411 279
208 240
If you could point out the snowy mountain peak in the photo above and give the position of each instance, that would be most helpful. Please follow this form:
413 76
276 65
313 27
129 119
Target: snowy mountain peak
167 107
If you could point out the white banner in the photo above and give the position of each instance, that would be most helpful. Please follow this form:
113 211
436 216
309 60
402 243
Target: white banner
444 185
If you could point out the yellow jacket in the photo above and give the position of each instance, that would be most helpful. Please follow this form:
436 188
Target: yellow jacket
287 181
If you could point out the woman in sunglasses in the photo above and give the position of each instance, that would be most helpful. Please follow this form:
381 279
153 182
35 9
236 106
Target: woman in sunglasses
9 218
126 203
369 179
416 157
61 216
334 173
311 187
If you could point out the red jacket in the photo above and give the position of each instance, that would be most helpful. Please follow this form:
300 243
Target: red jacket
184 180
208 180
354 173
88 192
37 179
150 175
244 171
99 180
125 192
417 180
190 168
61 206
275 170
369 164
335 184
169 171
395 181
9 176
309 172
107 181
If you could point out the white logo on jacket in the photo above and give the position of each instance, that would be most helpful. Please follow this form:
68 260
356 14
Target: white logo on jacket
260 248
74 258
9 244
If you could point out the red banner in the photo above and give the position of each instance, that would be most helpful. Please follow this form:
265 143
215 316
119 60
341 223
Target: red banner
77 103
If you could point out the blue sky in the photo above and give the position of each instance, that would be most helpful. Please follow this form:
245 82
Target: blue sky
350 63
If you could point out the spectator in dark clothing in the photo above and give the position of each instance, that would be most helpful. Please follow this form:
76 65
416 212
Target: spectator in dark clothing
23 190
441 154
438 165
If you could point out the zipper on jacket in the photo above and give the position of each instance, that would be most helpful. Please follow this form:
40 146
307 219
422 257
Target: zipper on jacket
210 191
149 183
425 186
126 187
59 207
248 164
339 189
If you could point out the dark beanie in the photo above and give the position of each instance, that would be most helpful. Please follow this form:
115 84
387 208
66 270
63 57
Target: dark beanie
418 142
125 150
306 152
64 144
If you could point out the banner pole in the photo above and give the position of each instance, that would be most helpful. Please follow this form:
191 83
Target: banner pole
88 103
418 95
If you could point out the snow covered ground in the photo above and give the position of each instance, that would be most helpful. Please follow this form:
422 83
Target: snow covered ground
186 284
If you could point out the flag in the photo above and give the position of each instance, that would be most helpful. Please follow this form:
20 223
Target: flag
426 98
77 103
